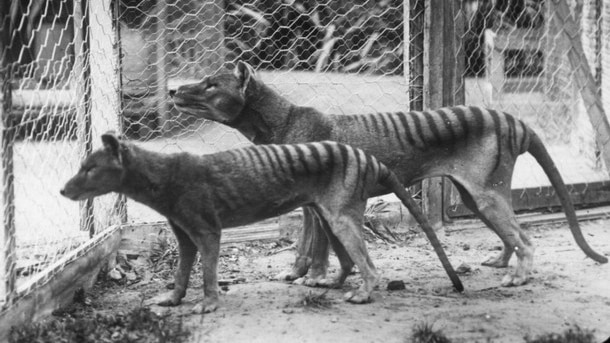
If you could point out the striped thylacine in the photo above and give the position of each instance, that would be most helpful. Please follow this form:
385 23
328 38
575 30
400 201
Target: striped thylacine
200 195
476 148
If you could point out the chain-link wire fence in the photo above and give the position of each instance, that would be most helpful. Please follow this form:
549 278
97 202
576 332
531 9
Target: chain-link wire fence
59 91
516 56
337 56
72 69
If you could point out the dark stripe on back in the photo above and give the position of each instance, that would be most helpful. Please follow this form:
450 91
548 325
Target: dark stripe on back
418 129
447 125
405 124
365 122
479 121
384 124
250 158
329 166
288 159
280 161
432 124
344 158
315 154
461 118
358 165
375 122
498 129
269 160
367 164
396 131
512 133
302 159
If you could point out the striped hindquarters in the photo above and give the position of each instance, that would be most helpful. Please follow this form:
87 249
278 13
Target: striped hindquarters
446 127
320 162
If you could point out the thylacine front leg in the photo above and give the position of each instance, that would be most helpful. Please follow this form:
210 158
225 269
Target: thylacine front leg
208 242
187 251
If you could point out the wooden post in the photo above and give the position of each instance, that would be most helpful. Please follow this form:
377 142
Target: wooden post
105 101
414 14
442 82
585 81
121 203
7 213
432 199
161 74
415 62
81 83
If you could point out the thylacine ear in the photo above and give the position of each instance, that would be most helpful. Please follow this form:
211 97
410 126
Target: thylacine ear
112 144
244 73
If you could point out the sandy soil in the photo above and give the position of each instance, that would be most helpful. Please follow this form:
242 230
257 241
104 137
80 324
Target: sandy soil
565 289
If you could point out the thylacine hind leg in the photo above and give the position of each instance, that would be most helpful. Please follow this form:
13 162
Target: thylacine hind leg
344 260
312 250
493 206
346 225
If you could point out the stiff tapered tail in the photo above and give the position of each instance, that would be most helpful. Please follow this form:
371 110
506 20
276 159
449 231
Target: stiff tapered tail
536 148
391 182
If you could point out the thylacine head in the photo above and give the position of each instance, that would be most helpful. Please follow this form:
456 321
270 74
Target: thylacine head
100 173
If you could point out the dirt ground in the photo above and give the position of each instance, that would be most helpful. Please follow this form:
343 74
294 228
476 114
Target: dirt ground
565 289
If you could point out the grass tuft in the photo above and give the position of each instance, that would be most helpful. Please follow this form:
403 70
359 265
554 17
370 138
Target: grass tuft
137 325
425 333
572 335
315 300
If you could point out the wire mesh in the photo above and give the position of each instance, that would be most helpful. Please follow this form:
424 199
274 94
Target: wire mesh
48 55
337 56
340 57
517 61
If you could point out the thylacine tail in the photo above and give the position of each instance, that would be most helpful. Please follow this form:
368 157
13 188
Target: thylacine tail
389 180
536 148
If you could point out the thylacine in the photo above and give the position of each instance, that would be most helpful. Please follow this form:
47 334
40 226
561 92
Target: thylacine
475 147
200 195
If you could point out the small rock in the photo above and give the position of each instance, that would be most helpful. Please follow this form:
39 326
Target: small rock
396 285
334 319
288 311
466 247
115 274
463 269
131 276
224 282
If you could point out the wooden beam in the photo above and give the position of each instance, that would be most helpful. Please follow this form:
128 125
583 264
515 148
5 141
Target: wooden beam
442 80
536 198
583 76
7 212
55 286
141 238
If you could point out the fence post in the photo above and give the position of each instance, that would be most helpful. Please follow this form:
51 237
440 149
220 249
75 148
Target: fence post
7 238
160 68
105 101
82 85
583 76
440 84
121 203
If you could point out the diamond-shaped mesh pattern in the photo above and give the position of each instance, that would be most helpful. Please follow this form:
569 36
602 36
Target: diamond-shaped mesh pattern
72 69
338 56
52 57
517 61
